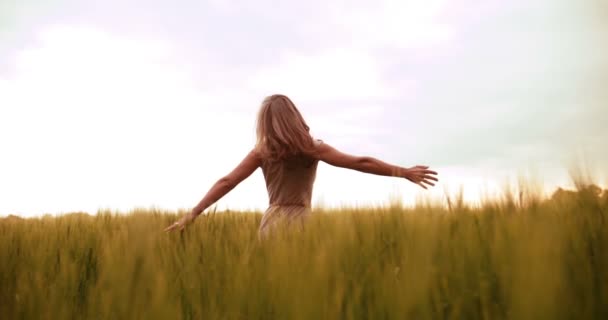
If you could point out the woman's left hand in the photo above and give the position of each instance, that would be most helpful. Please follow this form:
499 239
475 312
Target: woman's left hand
182 223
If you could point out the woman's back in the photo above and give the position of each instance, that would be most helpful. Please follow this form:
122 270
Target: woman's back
289 183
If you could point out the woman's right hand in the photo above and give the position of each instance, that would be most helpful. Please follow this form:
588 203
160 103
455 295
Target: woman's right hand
183 222
421 175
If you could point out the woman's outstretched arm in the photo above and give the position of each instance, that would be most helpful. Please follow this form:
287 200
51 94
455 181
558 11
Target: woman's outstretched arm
224 185
419 175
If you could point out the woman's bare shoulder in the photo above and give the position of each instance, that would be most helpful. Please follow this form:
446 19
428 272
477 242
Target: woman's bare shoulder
256 155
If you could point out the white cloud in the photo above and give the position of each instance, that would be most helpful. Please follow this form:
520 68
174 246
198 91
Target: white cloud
94 120
401 24
332 74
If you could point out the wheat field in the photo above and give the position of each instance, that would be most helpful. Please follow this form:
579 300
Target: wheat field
515 258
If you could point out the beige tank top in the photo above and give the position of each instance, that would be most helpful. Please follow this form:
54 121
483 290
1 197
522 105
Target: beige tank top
290 182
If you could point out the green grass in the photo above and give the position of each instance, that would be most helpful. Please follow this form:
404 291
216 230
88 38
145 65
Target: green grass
510 259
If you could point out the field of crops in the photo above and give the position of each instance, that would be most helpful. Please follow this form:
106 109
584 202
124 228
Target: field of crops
517 258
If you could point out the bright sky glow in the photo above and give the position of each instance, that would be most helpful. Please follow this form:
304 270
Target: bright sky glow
140 109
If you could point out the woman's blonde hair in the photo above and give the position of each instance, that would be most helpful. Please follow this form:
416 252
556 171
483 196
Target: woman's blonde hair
281 130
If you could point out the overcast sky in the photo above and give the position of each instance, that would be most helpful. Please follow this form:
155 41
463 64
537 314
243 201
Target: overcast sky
123 104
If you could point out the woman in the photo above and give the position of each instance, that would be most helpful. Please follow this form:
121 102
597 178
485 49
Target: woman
288 156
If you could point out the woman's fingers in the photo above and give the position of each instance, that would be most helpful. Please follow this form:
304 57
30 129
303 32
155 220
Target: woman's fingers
428 182
430 178
423 182
425 176
174 226
420 184
422 176
181 223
